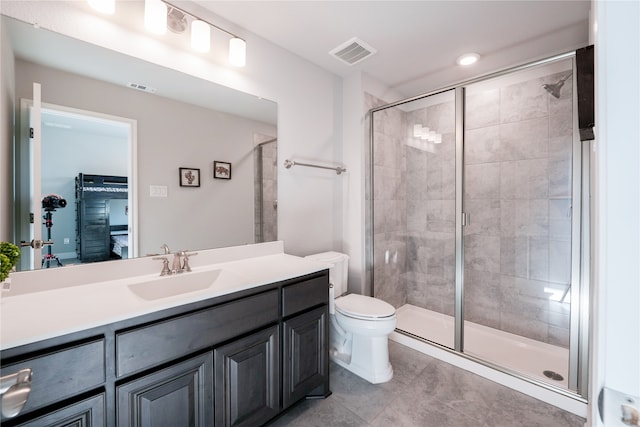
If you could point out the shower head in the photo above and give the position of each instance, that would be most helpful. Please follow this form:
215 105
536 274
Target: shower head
554 88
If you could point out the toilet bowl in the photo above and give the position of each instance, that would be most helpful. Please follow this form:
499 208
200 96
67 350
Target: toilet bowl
359 325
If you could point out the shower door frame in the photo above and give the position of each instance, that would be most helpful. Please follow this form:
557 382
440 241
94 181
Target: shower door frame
580 236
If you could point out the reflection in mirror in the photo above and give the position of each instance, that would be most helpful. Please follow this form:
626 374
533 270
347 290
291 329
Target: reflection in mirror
177 121
94 225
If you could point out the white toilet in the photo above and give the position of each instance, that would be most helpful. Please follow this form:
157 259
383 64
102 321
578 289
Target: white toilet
359 325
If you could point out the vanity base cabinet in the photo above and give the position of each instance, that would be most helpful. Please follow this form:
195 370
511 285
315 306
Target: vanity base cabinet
236 360
86 413
179 395
306 365
247 380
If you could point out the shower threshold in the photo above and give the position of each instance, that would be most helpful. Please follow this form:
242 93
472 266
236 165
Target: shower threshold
528 357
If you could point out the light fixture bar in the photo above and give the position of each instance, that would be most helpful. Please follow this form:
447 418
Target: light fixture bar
237 45
203 20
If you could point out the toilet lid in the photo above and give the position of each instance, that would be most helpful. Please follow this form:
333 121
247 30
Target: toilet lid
362 306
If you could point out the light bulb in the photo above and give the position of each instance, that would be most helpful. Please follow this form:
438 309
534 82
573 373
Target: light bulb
237 52
155 16
200 36
103 6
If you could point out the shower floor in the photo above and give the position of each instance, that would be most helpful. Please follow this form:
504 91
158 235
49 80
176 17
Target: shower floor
523 355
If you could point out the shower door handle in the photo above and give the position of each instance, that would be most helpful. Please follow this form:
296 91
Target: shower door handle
466 219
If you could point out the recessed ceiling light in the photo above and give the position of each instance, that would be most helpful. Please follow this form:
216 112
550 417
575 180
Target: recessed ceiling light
468 59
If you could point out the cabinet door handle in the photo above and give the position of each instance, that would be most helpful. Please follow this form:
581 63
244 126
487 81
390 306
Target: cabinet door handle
15 390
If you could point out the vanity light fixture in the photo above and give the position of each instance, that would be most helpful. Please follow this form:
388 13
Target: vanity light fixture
200 36
237 52
200 32
468 59
155 16
103 6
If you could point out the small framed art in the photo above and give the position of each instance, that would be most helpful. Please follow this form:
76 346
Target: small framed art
221 170
189 177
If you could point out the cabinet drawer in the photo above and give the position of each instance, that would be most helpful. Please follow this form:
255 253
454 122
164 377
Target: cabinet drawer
62 374
87 413
301 296
161 342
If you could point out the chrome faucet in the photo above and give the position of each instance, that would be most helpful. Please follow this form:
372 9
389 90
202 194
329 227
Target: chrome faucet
165 265
185 258
177 265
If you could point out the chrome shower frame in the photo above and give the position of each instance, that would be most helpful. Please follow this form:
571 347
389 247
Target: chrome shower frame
580 245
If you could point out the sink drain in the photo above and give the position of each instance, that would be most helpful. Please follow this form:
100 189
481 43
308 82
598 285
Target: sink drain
553 375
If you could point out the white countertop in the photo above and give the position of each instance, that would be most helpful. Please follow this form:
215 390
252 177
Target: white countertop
35 316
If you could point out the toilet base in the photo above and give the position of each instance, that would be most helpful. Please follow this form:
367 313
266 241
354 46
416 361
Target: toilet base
377 377
369 359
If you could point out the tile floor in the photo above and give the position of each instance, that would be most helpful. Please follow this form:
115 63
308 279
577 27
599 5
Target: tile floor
424 392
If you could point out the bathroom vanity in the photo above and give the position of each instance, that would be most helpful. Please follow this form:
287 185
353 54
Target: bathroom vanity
235 353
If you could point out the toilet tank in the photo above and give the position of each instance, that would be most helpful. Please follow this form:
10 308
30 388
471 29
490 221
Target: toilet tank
339 271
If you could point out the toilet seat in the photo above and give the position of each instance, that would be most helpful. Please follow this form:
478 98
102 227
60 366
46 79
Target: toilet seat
364 307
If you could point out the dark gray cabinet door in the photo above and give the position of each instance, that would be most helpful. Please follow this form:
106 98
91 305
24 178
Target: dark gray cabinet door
247 380
306 366
87 413
179 395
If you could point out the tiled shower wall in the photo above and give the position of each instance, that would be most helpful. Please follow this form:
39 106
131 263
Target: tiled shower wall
517 193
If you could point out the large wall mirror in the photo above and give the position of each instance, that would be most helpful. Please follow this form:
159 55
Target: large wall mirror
111 121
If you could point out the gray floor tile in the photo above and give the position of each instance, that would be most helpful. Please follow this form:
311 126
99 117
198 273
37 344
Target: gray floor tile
328 412
424 392
360 396
407 363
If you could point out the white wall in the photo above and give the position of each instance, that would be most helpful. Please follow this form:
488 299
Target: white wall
616 352
309 113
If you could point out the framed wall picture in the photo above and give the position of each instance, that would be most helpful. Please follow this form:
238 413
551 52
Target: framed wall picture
221 170
189 177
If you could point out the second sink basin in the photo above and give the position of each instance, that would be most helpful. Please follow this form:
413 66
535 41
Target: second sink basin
177 284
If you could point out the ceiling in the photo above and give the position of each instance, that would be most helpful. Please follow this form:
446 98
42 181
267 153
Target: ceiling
417 42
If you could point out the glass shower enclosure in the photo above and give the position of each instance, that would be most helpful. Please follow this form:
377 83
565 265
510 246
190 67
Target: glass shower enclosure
478 227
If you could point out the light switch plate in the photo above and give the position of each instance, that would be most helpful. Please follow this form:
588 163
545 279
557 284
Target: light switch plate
158 191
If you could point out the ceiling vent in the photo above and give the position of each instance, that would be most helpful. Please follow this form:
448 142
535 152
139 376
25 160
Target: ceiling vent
353 51
141 87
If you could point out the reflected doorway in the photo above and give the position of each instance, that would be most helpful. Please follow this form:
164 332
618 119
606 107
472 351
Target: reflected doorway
87 170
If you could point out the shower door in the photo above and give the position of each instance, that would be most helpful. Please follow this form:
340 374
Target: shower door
476 232
517 201
414 189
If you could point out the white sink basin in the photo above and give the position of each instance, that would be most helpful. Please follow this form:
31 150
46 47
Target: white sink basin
177 284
